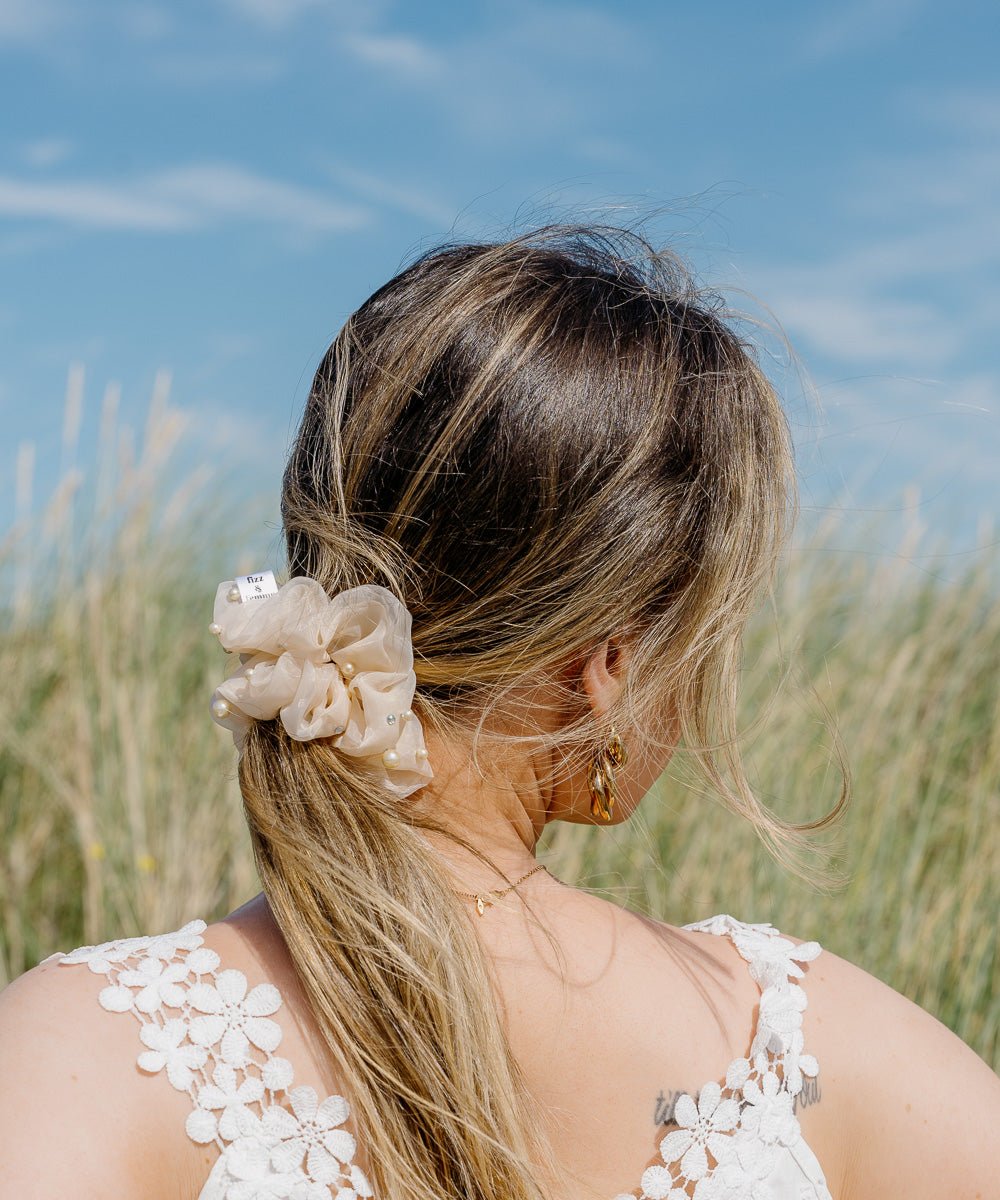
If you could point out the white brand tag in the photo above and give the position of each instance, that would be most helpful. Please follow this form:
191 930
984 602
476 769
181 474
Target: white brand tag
258 586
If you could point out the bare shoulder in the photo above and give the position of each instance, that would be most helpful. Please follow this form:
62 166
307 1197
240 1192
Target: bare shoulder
902 1105
918 1107
884 1041
72 1081
72 1118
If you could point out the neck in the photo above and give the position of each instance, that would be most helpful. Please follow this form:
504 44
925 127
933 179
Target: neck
500 811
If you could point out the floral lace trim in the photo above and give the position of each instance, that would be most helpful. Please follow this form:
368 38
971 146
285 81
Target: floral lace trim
728 1141
214 1039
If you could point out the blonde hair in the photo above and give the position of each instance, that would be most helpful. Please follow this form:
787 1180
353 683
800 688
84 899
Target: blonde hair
537 445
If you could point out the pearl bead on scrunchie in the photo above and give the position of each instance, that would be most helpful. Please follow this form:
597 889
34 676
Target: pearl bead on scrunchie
336 667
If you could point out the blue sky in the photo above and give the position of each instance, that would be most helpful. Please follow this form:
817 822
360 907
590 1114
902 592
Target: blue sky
209 189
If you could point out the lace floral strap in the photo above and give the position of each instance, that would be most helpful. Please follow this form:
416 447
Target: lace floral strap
774 963
213 1037
729 1137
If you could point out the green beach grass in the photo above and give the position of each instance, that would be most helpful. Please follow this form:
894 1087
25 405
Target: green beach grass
119 810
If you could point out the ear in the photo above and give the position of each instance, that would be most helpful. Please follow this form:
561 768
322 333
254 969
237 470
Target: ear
603 673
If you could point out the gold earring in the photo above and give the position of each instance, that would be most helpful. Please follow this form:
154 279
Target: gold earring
601 776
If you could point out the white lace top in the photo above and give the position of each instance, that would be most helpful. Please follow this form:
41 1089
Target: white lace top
214 1038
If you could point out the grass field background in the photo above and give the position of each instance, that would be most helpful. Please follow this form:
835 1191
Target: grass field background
119 811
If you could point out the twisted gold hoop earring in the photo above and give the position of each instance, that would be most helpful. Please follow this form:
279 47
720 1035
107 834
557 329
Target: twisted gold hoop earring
601 776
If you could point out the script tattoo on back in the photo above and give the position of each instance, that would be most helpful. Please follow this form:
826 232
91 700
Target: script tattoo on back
666 1102
663 1110
811 1094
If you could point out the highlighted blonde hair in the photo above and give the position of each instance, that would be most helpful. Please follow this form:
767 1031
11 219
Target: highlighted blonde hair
537 445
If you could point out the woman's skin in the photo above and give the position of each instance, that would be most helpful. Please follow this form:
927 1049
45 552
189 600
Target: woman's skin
607 1035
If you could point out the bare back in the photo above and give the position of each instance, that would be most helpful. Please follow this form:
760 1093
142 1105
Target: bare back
613 1019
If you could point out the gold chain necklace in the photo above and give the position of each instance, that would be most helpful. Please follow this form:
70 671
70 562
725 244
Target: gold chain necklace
481 897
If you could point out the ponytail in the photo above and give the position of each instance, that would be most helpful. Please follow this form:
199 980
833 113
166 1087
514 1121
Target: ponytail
395 975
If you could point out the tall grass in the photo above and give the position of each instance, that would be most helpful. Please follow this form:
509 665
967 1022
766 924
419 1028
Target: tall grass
119 810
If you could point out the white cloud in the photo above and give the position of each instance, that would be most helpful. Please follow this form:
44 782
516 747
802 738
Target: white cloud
145 22
241 451
273 13
221 351
77 347
225 190
32 20
391 194
931 429
245 435
277 14
527 75
881 438
903 317
395 53
179 199
857 25
96 205
849 325
198 68
960 111
46 152
917 287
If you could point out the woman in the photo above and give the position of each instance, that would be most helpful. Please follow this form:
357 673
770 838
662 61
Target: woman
537 491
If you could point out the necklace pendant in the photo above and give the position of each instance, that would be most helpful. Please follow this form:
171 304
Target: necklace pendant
480 905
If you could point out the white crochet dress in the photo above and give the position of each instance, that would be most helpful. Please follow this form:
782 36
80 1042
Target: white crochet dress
198 1024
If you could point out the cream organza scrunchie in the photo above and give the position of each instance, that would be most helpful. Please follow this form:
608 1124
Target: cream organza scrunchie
336 667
